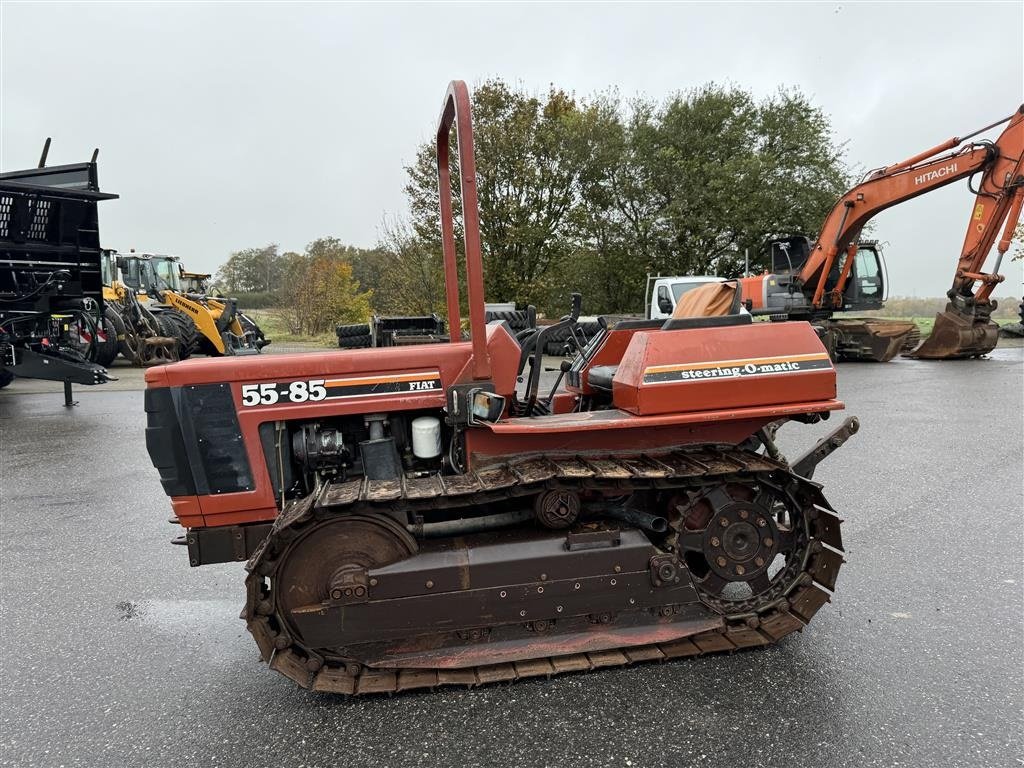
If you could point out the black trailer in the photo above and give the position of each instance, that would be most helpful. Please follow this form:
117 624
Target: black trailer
51 283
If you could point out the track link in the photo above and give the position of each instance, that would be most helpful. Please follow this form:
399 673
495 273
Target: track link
757 625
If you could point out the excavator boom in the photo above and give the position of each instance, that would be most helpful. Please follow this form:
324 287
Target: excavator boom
964 329
999 163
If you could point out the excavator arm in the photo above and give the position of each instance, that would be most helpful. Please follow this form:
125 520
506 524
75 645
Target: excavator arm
999 164
998 203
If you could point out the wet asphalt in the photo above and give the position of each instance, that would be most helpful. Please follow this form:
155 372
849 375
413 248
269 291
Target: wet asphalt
116 653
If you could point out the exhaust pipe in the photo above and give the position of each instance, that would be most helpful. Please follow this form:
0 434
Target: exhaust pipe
469 525
645 520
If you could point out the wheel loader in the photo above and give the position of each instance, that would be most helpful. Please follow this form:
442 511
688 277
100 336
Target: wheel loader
140 336
208 324
418 516
198 285
196 282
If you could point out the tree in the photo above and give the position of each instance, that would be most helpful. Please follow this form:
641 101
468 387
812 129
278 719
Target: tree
532 155
583 194
252 270
368 265
320 291
709 174
412 280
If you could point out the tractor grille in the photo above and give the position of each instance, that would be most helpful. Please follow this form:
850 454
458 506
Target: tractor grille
195 442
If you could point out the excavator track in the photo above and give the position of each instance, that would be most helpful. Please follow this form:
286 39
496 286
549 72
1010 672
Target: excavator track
804 585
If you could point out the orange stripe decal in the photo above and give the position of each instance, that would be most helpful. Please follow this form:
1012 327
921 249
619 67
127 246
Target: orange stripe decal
742 362
381 379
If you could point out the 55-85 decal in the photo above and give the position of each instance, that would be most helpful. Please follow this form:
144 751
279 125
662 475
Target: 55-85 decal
315 390
294 392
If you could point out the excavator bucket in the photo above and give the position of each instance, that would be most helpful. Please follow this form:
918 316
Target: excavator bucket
870 339
957 335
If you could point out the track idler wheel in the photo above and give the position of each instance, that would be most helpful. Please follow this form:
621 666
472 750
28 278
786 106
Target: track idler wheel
329 562
557 509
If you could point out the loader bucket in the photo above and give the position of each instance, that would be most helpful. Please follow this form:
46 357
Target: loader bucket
957 335
870 339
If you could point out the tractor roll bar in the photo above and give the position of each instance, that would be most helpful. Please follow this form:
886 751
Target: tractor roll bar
457 110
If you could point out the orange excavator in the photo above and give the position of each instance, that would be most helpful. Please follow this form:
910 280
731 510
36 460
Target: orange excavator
814 281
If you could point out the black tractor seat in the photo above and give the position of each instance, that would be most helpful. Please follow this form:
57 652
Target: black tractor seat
600 377
681 323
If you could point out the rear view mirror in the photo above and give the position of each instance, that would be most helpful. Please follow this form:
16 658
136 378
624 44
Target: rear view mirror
665 305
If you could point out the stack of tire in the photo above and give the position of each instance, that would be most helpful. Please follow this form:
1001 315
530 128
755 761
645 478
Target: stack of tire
557 344
354 336
518 320
1014 330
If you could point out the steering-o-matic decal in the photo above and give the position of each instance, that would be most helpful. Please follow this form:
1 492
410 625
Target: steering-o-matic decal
737 369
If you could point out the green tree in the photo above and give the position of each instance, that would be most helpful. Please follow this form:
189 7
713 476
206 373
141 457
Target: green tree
713 172
252 270
584 194
412 280
532 156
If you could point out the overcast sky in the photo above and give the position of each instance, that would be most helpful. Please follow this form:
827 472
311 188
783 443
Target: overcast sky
225 126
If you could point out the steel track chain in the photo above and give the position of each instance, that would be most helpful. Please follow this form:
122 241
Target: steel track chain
764 625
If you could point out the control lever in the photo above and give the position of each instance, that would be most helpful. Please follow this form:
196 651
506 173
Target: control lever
541 339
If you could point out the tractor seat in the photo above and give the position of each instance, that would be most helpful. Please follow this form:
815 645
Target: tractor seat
600 377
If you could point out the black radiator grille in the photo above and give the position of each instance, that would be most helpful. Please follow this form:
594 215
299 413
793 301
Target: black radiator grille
210 412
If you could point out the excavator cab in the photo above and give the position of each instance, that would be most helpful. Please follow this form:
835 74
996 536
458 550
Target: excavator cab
788 254
867 287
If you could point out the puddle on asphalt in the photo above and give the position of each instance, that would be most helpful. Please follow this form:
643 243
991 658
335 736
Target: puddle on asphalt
178 615
128 610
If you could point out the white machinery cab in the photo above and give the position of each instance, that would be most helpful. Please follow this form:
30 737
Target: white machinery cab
665 292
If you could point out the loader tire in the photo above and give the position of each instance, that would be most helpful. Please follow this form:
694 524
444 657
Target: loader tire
6 377
352 331
355 342
178 325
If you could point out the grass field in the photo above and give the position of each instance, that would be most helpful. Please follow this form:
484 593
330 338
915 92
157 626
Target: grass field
925 324
275 327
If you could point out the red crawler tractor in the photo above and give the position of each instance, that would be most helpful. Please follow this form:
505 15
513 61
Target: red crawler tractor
424 515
